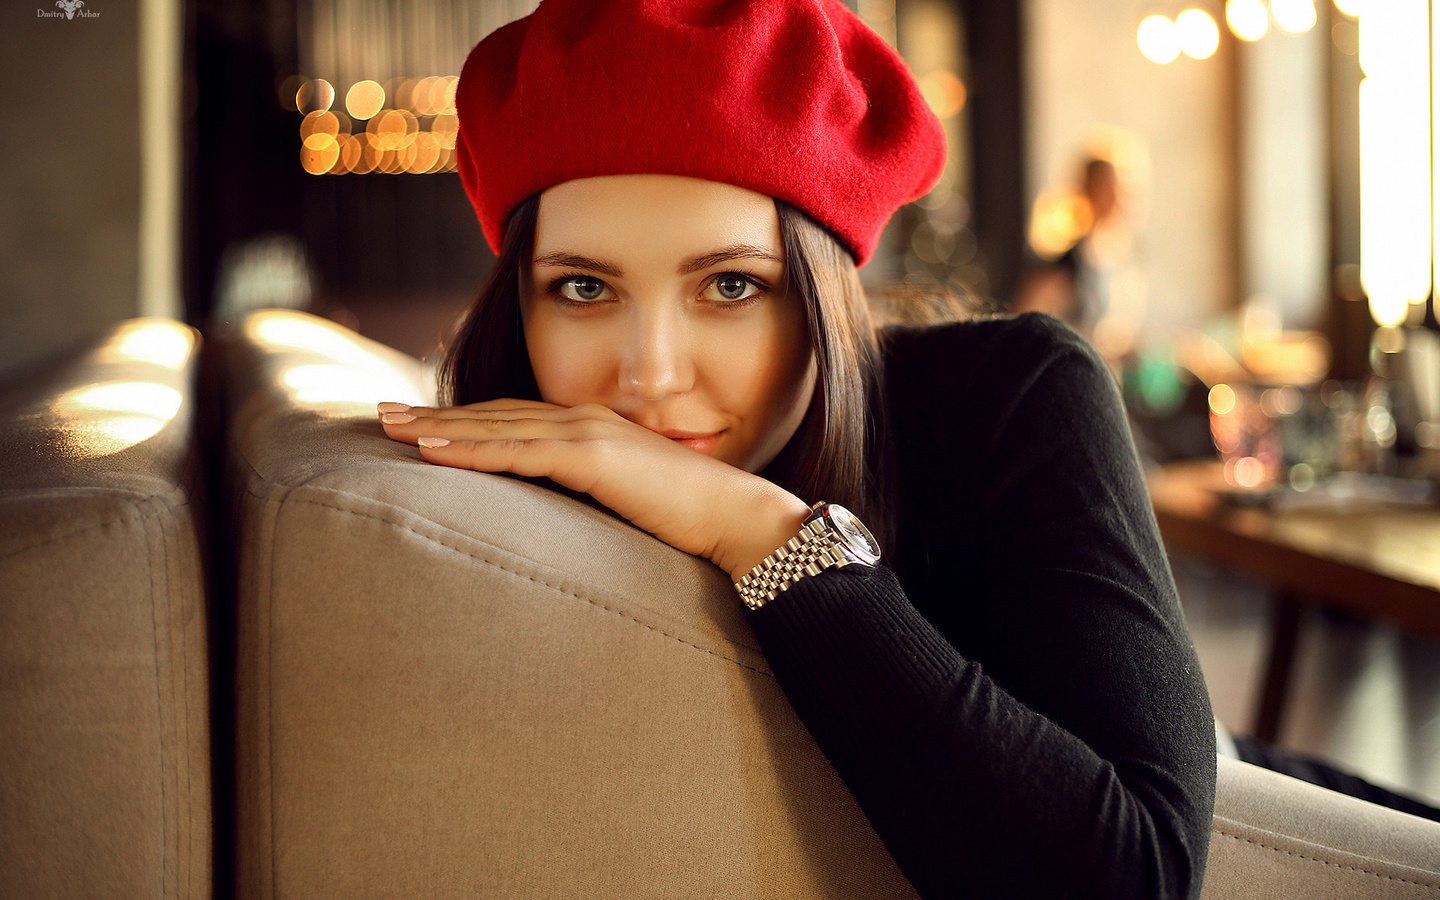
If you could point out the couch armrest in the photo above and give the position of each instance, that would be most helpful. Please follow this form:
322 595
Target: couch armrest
105 784
457 684
1279 838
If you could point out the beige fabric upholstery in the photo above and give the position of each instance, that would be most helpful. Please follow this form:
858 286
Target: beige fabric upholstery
1278 838
104 740
464 685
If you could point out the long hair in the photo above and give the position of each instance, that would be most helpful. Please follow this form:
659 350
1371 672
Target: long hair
840 453
487 359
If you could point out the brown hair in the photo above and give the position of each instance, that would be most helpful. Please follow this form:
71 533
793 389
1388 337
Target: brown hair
839 454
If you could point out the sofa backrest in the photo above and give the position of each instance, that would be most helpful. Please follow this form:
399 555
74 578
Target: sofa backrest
456 684
105 782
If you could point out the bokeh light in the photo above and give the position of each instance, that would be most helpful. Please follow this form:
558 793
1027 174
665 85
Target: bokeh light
944 92
446 87
367 156
364 99
351 151
1058 219
426 154
1248 19
1243 431
1395 168
1157 39
444 127
1294 16
1222 399
1199 35
393 129
314 95
319 153
289 92
415 134
319 122
401 92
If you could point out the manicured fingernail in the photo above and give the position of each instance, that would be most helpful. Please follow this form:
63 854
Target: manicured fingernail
392 407
432 442
396 418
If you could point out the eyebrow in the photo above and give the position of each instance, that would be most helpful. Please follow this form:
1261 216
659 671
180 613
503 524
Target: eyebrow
698 264
576 261
727 254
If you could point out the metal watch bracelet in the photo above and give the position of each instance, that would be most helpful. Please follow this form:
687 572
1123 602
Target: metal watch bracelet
807 553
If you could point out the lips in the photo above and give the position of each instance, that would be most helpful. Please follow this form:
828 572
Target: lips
698 441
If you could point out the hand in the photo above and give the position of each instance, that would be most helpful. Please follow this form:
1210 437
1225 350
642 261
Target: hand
686 499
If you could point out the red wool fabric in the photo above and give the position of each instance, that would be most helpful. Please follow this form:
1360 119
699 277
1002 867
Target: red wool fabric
796 99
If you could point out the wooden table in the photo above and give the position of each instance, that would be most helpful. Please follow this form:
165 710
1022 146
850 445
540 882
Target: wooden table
1373 559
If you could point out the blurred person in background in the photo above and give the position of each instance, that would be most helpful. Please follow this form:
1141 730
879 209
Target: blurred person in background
1095 286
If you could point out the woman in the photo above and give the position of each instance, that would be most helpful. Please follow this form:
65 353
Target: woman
679 194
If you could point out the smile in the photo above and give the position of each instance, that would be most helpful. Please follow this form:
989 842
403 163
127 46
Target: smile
701 443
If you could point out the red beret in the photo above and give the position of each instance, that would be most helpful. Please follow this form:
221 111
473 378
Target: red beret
796 99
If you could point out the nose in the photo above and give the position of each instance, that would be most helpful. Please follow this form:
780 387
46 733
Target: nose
656 363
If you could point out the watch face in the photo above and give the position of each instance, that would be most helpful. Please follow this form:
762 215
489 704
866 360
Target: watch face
858 539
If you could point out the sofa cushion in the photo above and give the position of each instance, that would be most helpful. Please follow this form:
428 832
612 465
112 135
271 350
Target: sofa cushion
1283 839
460 684
104 733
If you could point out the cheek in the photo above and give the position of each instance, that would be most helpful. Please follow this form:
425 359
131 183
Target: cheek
790 377
775 388
568 370
789 363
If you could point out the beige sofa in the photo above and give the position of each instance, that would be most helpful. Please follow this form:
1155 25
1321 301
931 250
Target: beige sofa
459 685
104 695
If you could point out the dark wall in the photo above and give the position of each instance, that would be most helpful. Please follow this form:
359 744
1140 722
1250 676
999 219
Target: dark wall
70 190
241 180
994 45
368 238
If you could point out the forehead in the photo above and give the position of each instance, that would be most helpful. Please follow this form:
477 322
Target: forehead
618 216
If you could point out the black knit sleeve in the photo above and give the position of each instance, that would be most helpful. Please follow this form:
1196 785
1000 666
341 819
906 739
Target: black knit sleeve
1026 716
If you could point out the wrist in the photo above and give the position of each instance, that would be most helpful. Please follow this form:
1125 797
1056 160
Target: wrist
831 538
774 518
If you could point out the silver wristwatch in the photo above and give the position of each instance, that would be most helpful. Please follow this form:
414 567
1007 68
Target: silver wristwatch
831 537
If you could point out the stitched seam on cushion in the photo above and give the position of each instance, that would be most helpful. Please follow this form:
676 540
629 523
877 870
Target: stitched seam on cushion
273 514
123 520
534 580
158 594
273 498
180 700
1326 862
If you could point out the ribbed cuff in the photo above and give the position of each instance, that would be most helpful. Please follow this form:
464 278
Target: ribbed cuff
850 640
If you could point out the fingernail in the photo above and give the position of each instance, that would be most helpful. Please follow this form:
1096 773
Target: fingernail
392 407
432 442
396 418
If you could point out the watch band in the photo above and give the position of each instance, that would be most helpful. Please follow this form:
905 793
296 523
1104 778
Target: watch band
818 546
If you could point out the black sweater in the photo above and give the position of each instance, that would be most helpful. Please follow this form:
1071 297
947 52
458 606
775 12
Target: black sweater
1017 705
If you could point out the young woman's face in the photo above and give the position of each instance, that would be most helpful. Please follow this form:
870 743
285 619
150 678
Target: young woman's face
660 297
